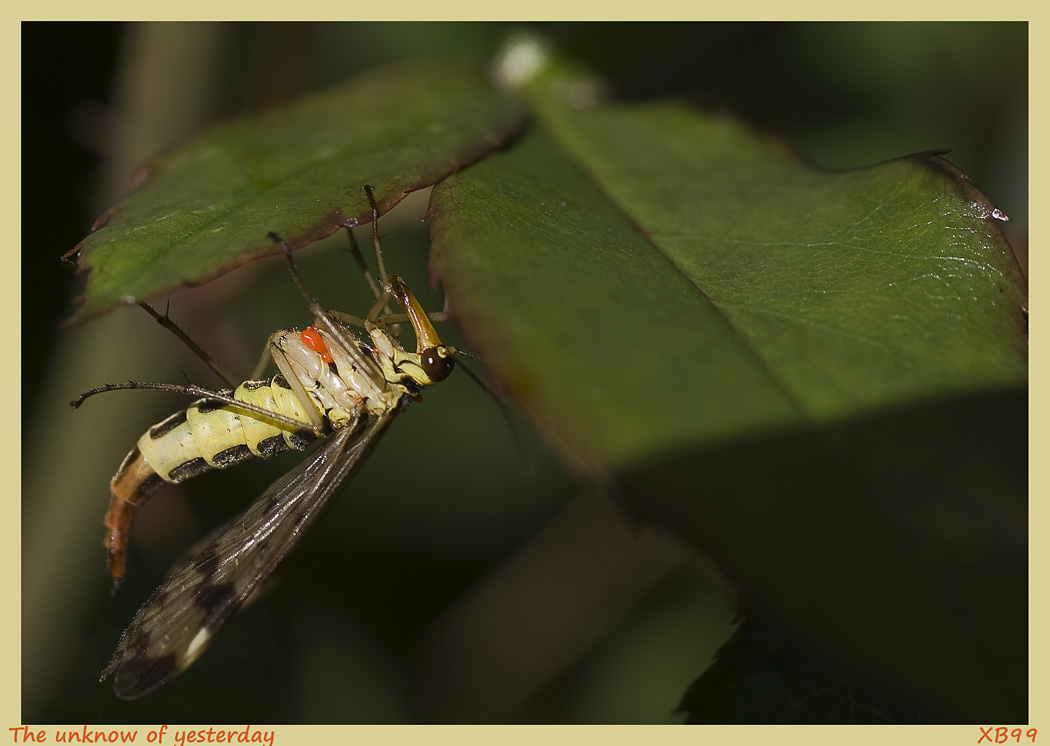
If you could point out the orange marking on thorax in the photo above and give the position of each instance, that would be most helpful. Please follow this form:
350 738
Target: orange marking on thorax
311 337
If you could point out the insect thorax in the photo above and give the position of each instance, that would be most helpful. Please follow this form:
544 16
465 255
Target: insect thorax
351 382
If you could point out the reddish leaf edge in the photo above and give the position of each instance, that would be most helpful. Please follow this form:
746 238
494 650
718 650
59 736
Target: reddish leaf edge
387 198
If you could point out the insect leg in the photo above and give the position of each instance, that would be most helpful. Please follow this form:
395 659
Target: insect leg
316 420
376 315
377 245
192 390
348 319
387 319
323 318
175 329
264 361
212 433
355 250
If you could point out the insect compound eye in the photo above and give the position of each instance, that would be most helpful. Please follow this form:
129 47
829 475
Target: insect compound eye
437 362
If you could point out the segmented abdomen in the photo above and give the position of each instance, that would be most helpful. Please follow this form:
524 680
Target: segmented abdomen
206 435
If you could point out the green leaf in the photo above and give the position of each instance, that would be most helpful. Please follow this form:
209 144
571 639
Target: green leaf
710 285
207 207
816 377
894 543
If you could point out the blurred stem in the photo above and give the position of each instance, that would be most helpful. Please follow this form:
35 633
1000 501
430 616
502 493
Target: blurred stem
163 92
542 611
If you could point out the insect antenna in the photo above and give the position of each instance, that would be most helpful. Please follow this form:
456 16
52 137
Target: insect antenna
525 456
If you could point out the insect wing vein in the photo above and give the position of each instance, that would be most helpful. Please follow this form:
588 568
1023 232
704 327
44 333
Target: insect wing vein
181 618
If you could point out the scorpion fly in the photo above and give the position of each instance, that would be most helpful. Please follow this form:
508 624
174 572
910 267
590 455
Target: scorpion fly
329 383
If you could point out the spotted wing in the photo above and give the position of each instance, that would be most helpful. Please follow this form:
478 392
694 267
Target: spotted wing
183 615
